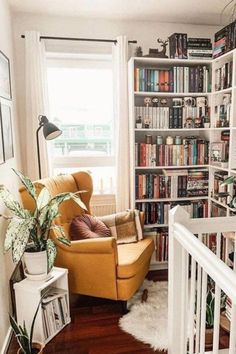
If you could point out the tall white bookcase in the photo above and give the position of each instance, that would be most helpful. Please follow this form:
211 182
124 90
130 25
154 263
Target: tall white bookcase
28 294
212 134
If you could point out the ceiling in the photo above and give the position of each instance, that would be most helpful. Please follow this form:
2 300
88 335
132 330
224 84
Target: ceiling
178 11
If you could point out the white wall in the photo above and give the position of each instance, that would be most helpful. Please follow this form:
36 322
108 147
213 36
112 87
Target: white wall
6 175
145 32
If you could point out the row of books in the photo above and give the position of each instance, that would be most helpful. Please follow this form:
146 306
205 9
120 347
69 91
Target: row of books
199 48
172 184
192 151
223 76
161 245
158 213
222 114
177 79
219 152
225 40
55 311
218 210
166 117
220 192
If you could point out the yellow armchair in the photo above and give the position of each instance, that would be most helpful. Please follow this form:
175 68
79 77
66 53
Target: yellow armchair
97 267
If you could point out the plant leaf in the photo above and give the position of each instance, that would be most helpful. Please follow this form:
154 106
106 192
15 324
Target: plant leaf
51 253
27 183
228 180
64 240
20 235
79 202
12 204
43 198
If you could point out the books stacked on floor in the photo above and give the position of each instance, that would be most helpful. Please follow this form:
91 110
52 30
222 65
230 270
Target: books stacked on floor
219 152
228 308
199 48
225 40
55 311
220 192
218 210
172 184
175 152
178 46
170 116
158 213
177 79
223 76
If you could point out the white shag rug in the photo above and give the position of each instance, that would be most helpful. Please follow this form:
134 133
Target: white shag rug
148 321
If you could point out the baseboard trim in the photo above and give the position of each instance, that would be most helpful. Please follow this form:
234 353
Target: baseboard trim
6 341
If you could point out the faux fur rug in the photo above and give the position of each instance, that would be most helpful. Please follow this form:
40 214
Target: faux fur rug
147 321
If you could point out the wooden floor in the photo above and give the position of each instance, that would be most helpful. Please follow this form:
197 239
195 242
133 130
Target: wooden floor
94 329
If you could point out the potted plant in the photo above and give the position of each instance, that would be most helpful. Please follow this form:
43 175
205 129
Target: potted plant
230 180
28 231
24 339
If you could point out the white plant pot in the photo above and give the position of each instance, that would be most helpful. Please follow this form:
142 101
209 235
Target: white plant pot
36 262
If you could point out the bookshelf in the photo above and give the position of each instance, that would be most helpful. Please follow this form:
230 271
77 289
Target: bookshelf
54 311
220 96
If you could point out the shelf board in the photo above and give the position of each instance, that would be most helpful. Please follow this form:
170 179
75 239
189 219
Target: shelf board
222 204
149 60
171 94
227 90
177 129
168 167
170 199
219 168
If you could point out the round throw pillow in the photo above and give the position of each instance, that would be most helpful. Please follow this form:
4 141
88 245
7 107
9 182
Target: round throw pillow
87 226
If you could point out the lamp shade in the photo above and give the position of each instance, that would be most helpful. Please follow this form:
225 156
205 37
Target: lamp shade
51 131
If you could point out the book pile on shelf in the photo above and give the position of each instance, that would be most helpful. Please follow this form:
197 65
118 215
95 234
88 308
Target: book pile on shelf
172 184
199 48
158 213
178 46
220 192
225 40
177 79
219 152
171 113
175 152
218 210
223 76
55 311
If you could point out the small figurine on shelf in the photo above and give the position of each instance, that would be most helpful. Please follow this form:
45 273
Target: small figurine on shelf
139 122
155 53
138 52
198 122
189 123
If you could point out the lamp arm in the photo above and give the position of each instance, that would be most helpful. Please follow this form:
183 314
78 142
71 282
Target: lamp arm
38 150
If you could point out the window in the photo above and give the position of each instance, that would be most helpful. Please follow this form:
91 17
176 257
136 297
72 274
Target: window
80 100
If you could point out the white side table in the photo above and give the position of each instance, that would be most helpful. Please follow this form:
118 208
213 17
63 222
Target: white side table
28 294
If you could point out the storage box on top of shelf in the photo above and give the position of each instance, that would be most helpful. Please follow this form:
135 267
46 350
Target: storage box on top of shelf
225 40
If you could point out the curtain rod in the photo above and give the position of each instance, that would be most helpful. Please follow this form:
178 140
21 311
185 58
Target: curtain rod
81 39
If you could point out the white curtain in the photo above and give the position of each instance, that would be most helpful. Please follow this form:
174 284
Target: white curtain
36 103
120 75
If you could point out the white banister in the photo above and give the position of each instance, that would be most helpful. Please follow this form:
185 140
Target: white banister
183 305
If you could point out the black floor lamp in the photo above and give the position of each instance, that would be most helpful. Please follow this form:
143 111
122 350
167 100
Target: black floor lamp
50 132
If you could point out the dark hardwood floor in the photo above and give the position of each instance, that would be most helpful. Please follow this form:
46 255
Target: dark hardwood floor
94 329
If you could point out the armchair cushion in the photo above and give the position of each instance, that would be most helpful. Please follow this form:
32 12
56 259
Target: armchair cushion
125 226
87 226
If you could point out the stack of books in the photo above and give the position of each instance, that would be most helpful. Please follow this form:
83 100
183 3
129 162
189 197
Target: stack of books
178 79
219 152
220 192
199 48
223 76
158 213
55 311
225 40
178 45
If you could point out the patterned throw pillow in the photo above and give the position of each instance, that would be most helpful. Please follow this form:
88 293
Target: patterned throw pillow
124 226
87 226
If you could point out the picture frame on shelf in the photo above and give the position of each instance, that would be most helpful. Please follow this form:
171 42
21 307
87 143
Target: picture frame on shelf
7 133
5 77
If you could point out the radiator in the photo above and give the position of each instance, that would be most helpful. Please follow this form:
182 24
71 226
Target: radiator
102 206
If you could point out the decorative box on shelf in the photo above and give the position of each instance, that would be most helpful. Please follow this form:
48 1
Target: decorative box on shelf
54 311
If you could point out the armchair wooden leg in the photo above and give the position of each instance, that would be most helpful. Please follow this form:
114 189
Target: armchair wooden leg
124 307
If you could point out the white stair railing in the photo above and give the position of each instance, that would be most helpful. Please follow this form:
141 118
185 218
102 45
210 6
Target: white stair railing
190 264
